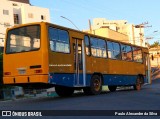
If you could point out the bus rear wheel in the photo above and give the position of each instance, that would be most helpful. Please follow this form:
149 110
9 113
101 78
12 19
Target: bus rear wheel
112 88
63 91
138 84
95 86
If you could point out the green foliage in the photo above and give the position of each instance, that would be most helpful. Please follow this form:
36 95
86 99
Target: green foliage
155 44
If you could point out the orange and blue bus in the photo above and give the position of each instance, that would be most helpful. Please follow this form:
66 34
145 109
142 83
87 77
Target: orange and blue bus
1 66
43 55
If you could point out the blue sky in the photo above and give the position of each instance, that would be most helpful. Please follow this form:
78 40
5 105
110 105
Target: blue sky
80 11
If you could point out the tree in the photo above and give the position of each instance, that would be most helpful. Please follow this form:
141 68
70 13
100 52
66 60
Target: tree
155 44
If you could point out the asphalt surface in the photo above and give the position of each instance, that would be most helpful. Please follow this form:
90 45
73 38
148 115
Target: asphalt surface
122 100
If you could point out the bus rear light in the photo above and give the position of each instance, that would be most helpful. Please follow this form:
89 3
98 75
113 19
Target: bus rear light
7 73
38 71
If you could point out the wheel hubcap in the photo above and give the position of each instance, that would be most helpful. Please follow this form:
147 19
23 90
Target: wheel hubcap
97 85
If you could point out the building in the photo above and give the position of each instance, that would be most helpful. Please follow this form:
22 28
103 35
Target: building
155 56
109 33
122 30
22 1
14 12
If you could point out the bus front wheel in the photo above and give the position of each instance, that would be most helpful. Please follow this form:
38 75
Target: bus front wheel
95 86
63 91
112 88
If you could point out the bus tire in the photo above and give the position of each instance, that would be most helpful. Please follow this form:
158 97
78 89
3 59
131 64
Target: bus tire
112 88
138 84
95 86
63 91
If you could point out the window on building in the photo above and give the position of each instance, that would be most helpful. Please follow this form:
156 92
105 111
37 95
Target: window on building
6 12
14 4
98 47
113 50
87 44
126 52
137 54
43 17
16 19
30 15
59 40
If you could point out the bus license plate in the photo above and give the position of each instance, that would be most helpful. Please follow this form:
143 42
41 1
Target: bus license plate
22 71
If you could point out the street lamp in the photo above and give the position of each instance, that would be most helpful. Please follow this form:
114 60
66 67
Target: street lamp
70 21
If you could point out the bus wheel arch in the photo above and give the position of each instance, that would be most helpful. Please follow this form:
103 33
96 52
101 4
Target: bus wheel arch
96 83
112 88
64 91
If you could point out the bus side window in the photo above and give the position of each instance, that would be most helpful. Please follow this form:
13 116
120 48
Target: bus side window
126 52
98 47
87 45
102 48
137 54
113 50
59 40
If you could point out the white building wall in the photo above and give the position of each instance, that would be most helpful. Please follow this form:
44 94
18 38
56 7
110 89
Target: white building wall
36 13
5 19
123 27
22 9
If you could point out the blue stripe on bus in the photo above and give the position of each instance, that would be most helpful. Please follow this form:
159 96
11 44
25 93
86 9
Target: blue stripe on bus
119 80
69 79
62 79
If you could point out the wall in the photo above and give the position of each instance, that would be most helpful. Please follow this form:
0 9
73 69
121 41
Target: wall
36 13
23 1
5 19
108 33
123 27
22 9
156 54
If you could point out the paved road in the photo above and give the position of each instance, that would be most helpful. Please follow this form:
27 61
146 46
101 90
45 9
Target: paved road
146 99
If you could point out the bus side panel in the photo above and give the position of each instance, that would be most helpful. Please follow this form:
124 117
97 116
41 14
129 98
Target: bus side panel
119 80
63 79
67 79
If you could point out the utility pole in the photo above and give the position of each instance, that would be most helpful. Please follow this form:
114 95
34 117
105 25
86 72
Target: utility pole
90 27
140 26
148 38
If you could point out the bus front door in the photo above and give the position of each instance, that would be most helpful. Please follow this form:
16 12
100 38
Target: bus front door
79 62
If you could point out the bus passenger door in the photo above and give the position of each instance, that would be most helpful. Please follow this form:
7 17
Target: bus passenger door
79 62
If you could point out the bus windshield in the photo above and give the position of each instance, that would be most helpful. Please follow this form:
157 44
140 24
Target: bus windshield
23 39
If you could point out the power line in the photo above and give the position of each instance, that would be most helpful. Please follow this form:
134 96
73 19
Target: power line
70 21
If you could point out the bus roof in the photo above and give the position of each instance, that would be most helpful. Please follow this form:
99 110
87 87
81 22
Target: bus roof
33 23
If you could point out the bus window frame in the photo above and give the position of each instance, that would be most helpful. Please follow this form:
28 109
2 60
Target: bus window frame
69 36
90 54
40 36
131 50
119 50
141 53
105 48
